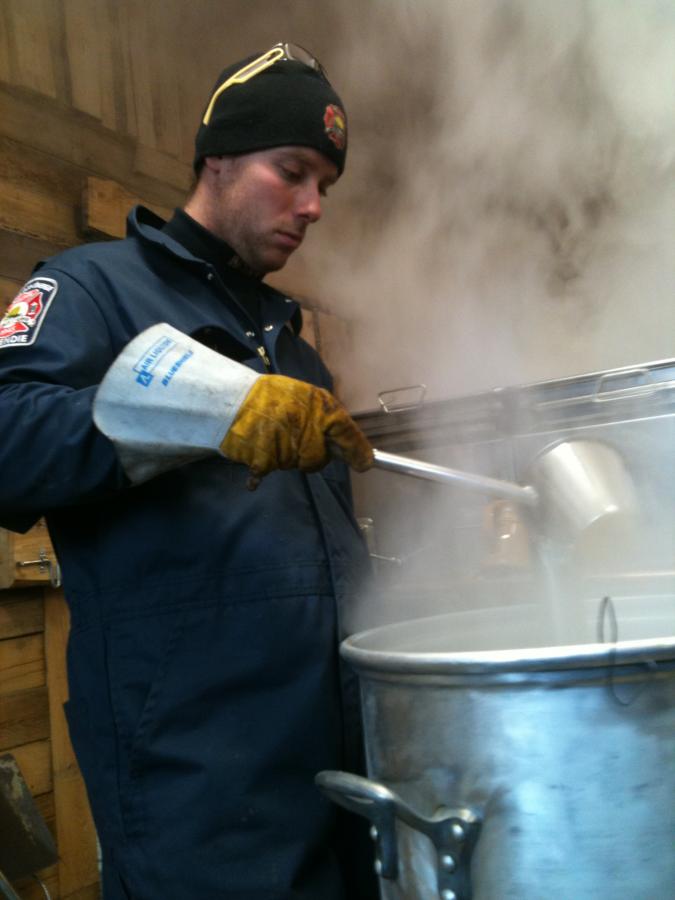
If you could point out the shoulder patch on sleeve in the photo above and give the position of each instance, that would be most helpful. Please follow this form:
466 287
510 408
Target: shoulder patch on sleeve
24 316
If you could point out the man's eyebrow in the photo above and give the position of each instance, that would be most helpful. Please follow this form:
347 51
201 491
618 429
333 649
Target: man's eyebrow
303 156
294 152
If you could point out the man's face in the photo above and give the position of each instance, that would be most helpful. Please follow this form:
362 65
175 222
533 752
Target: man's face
262 203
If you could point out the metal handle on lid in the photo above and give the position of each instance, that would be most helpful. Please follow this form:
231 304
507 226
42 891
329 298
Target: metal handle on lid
390 405
602 390
645 389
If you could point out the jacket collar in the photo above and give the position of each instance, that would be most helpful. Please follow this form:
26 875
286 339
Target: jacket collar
147 226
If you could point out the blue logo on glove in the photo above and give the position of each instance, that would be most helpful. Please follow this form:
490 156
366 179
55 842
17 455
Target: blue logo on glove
150 358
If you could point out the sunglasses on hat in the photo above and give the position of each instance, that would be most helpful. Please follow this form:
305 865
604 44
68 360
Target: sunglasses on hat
264 61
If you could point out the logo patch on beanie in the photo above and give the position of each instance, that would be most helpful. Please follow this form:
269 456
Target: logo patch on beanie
335 123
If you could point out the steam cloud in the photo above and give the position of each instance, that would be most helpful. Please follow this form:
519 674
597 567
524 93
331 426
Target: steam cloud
510 192
508 216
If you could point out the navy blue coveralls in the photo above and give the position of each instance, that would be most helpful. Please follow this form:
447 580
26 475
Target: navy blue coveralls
203 656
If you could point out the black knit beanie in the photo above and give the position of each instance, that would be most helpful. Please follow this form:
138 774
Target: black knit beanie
287 104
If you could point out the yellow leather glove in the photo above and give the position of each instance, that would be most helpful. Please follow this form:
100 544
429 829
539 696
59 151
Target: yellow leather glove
285 424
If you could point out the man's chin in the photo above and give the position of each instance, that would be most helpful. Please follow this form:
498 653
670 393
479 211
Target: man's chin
275 260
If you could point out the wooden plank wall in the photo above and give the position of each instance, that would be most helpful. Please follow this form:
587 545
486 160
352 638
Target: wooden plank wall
33 629
76 102
108 59
77 99
75 836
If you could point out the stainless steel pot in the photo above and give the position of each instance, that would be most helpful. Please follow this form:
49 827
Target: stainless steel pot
537 773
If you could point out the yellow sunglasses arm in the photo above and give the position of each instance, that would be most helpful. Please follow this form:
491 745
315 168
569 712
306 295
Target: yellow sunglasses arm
243 75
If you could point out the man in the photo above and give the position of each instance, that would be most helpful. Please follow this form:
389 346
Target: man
159 407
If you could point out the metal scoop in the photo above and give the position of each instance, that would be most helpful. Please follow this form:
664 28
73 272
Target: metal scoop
574 484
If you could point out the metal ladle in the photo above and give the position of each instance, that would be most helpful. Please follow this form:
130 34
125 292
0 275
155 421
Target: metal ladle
574 484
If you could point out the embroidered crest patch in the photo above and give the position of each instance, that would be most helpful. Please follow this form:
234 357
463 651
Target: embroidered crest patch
23 319
335 123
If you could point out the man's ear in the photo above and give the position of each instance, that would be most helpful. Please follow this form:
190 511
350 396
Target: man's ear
214 163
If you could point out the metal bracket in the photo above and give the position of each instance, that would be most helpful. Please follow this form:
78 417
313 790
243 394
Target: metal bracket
45 566
367 528
454 833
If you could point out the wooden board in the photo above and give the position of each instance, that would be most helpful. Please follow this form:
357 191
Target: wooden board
29 212
24 717
148 161
76 836
22 663
38 194
86 43
21 612
120 19
27 558
166 44
29 49
45 802
5 25
92 36
72 137
105 206
35 762
19 254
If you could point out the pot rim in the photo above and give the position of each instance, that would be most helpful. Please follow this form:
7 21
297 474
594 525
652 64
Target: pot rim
541 658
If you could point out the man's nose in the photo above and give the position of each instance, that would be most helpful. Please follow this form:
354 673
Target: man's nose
309 202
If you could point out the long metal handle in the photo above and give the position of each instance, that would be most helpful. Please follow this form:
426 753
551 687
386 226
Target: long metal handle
406 465
454 832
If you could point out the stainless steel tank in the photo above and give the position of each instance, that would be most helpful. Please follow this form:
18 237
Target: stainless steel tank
536 773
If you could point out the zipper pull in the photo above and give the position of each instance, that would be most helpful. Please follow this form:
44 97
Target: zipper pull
262 353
